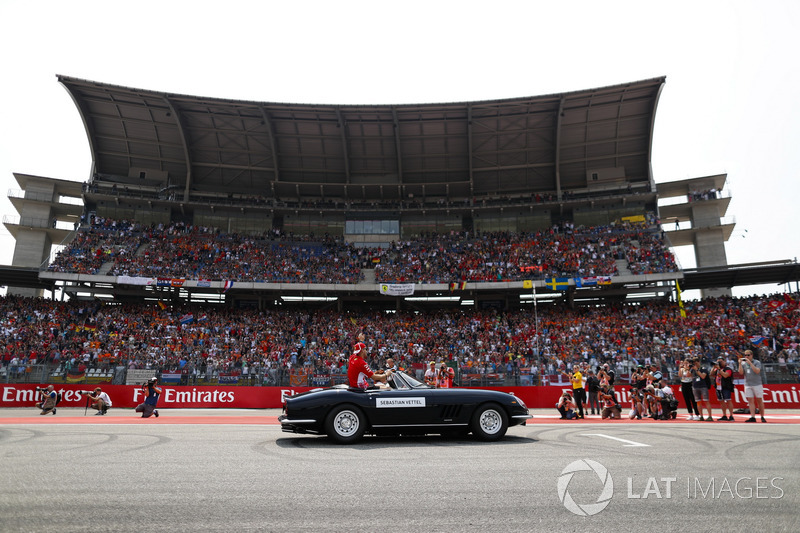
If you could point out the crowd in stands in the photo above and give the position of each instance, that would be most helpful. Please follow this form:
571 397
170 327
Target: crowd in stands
122 248
185 251
558 252
222 339
648 255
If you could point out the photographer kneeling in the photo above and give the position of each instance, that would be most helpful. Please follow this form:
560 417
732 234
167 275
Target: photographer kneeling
49 400
99 400
608 400
566 406
152 391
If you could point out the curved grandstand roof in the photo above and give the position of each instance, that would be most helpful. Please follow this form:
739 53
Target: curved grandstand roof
465 149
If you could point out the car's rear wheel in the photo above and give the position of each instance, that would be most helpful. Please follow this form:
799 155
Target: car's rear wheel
489 422
345 424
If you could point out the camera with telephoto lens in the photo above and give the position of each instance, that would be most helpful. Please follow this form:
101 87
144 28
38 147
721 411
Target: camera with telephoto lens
84 392
40 389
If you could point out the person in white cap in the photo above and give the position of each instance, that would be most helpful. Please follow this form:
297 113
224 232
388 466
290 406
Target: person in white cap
358 371
430 374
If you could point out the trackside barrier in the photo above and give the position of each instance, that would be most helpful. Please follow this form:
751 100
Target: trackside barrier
784 396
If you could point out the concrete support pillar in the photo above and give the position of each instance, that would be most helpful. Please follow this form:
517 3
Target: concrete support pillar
709 251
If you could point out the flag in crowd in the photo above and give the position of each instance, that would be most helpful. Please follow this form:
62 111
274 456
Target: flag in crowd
557 284
592 281
680 300
75 376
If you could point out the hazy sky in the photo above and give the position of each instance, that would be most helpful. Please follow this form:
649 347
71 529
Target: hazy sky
729 104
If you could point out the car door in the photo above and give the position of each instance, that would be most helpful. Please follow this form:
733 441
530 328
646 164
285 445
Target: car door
449 406
403 407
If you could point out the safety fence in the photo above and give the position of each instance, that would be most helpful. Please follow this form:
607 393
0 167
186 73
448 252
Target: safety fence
298 377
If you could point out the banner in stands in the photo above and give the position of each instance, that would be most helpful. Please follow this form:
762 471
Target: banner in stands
170 377
397 289
785 396
136 376
229 378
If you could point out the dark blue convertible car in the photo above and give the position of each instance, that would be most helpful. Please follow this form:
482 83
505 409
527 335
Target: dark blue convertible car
404 407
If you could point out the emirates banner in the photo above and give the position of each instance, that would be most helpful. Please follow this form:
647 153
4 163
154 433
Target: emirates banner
786 396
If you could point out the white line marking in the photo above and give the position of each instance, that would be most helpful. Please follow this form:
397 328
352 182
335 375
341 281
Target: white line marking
630 442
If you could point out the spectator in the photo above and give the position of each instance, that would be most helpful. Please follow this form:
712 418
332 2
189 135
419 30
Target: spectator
274 343
753 384
592 388
700 388
685 374
722 376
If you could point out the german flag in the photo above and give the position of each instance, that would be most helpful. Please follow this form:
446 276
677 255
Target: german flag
73 376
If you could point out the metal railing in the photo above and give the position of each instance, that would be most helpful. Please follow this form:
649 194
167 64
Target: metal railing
28 195
29 222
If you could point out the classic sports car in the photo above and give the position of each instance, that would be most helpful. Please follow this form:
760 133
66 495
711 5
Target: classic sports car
405 407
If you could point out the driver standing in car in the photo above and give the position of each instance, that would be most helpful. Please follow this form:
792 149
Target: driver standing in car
358 372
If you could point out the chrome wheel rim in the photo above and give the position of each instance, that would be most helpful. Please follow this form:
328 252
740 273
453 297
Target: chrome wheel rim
490 421
346 423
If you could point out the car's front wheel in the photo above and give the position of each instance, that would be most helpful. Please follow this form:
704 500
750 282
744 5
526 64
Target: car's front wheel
345 424
489 422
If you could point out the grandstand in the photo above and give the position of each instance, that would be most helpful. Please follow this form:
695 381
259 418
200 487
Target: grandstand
246 242
346 195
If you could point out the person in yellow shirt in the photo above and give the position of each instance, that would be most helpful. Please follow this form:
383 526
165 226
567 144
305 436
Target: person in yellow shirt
578 392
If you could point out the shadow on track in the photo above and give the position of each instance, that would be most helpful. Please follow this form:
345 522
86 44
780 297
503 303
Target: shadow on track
410 441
